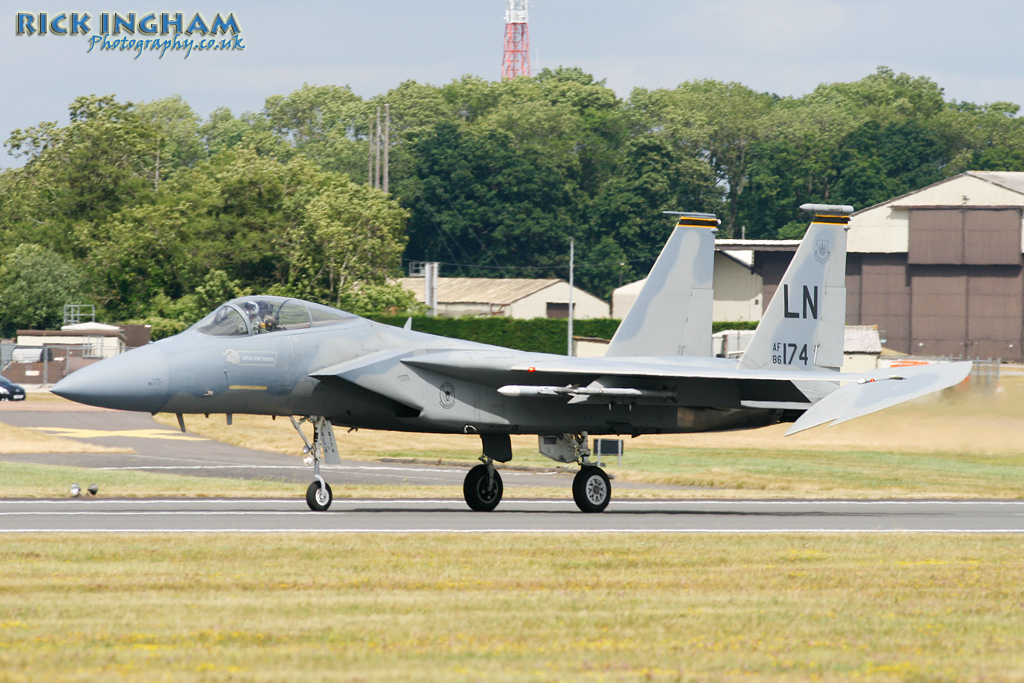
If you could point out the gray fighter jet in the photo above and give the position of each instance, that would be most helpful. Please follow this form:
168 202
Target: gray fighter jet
268 355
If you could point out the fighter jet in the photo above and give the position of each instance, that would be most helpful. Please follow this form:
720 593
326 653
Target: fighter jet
268 355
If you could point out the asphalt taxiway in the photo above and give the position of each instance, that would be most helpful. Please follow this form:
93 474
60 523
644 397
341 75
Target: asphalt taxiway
158 448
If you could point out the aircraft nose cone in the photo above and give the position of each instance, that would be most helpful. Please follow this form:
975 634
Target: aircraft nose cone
136 380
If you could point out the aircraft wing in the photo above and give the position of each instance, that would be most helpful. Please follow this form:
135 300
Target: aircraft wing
881 389
528 376
489 368
672 368
502 368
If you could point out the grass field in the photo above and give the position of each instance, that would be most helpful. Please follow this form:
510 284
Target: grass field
440 607
474 607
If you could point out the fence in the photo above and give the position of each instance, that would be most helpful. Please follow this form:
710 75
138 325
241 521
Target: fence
985 374
48 366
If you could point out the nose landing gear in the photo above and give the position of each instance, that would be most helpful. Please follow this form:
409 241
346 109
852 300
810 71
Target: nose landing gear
319 495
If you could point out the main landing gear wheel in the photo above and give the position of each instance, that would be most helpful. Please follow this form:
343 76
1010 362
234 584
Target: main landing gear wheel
591 489
318 497
482 492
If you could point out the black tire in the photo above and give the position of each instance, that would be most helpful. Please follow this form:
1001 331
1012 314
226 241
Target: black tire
317 501
479 495
591 489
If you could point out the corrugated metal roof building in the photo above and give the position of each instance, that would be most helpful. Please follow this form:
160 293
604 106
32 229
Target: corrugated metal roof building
511 297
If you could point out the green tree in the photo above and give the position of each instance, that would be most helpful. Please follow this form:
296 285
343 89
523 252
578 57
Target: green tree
98 163
175 141
35 284
350 236
487 205
719 123
653 177
322 122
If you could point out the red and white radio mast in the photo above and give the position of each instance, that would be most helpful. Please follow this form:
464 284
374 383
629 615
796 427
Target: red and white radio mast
517 41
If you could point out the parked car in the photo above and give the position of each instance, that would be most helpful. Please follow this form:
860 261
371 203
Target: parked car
9 391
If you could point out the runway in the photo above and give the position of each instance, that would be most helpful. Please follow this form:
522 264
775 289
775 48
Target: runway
513 516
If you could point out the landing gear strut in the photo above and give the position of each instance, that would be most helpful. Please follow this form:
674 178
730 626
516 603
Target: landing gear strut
482 488
591 488
319 494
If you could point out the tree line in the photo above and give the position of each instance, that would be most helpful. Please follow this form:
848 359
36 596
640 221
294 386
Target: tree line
155 214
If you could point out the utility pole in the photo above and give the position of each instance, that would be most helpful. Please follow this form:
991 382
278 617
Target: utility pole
369 163
376 175
387 143
572 259
431 269
378 172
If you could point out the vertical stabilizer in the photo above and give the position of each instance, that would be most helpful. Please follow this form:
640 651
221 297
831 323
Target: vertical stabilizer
672 314
803 326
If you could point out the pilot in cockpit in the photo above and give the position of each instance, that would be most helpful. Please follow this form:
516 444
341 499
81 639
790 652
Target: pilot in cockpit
261 319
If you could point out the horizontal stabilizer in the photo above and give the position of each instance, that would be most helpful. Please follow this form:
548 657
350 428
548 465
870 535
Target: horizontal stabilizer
881 389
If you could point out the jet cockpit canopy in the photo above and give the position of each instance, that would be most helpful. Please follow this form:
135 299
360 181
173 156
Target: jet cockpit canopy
249 315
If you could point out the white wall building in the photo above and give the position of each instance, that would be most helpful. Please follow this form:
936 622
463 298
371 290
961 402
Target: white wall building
509 297
98 340
738 286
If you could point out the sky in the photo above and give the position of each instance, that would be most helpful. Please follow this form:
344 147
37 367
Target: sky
788 47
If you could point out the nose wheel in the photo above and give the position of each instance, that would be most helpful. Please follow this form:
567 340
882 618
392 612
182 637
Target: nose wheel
591 489
319 495
324 447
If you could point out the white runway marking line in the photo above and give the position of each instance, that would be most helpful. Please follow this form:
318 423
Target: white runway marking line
323 468
525 501
145 513
513 531
147 501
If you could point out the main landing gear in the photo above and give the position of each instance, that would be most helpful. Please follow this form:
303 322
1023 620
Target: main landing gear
482 488
319 495
591 488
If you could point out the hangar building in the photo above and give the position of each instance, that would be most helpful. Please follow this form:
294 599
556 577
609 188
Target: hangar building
940 270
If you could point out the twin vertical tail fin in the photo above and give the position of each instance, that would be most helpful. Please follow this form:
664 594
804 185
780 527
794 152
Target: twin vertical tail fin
672 314
803 325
